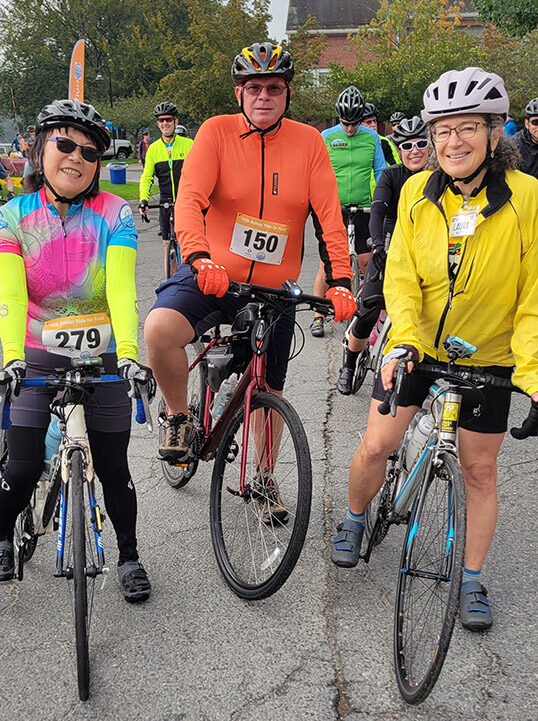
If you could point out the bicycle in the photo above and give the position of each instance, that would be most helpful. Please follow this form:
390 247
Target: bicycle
261 484
349 212
371 356
79 552
424 489
172 256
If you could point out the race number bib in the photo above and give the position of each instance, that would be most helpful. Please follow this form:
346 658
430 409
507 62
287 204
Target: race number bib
77 336
259 240
464 222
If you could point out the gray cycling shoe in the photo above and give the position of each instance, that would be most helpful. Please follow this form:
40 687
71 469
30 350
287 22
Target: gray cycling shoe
134 581
475 610
346 542
7 561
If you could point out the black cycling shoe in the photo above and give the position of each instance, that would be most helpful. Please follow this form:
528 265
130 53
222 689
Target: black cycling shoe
7 561
344 384
475 611
134 581
317 327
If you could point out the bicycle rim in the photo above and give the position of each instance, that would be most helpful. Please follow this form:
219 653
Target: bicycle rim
356 278
257 538
179 476
361 368
79 557
429 580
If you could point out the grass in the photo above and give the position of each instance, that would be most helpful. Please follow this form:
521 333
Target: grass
128 191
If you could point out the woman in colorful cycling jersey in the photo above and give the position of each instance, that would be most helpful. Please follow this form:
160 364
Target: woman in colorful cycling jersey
411 137
463 261
68 249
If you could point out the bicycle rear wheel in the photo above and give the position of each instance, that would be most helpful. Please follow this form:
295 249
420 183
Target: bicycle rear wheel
179 476
81 590
429 581
258 536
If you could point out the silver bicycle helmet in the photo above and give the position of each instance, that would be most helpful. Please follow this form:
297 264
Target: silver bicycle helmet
532 108
472 90
181 130
396 118
74 114
350 105
409 128
165 108
370 111
262 59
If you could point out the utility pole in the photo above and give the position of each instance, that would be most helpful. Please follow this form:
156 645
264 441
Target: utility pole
14 108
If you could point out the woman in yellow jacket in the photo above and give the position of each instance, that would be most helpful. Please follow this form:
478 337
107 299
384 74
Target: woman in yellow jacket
463 261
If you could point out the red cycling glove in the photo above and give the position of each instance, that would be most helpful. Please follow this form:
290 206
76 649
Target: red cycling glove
212 278
343 301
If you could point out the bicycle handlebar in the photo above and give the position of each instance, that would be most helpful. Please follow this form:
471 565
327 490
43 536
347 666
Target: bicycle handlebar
290 291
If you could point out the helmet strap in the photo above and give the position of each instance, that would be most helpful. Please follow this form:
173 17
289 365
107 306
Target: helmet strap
483 164
70 201
254 128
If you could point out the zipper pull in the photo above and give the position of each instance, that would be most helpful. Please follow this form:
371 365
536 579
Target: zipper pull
63 230
451 293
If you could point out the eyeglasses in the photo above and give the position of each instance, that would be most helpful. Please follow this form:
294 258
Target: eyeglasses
410 144
533 121
166 120
464 131
348 125
272 90
67 146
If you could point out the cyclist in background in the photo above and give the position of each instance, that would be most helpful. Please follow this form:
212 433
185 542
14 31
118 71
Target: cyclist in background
357 160
4 175
164 159
369 120
233 223
394 120
412 139
182 131
527 140
69 249
442 277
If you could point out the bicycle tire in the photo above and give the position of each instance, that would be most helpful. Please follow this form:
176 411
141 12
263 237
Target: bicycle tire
356 277
361 369
172 257
256 551
434 544
178 476
76 492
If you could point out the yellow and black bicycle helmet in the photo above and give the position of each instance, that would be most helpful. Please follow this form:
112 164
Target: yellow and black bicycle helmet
262 59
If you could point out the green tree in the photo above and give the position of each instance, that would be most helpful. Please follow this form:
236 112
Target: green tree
132 114
406 46
517 17
217 31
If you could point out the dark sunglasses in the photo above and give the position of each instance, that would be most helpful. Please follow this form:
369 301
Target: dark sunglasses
533 121
348 125
166 120
67 146
410 144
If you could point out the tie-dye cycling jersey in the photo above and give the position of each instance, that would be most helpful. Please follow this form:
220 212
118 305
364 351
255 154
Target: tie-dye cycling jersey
64 260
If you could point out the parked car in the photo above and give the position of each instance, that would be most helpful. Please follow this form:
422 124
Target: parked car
119 148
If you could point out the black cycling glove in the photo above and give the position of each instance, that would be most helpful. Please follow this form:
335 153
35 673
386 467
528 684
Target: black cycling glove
529 427
379 258
137 374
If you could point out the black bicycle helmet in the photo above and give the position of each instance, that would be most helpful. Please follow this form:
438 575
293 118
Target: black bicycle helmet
74 114
350 105
165 108
370 111
181 130
532 108
410 128
396 118
262 59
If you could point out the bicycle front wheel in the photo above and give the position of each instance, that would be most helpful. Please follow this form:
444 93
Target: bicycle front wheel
356 279
179 476
82 616
258 534
429 581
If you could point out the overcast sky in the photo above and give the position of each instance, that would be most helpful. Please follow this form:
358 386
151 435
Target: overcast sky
279 11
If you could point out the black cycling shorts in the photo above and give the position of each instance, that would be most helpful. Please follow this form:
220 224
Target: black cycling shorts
485 413
362 232
182 293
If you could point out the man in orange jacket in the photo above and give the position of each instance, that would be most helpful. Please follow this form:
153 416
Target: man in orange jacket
243 171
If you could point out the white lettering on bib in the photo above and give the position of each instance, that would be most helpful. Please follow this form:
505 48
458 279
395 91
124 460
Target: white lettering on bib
259 240
464 222
77 336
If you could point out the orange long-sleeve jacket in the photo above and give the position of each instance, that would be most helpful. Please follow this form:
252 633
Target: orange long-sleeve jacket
279 179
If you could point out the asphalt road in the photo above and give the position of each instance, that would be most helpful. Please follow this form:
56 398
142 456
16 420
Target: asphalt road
320 649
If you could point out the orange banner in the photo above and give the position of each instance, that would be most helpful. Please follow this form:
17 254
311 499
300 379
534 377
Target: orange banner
76 73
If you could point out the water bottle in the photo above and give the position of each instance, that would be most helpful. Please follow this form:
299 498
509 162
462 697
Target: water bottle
224 393
52 446
418 440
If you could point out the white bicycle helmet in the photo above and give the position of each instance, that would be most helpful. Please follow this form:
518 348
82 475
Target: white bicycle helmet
532 108
472 90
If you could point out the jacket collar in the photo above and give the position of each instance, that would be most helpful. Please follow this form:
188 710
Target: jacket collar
497 191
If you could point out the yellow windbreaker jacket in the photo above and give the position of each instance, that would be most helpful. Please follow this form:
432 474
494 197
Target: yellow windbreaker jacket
492 302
